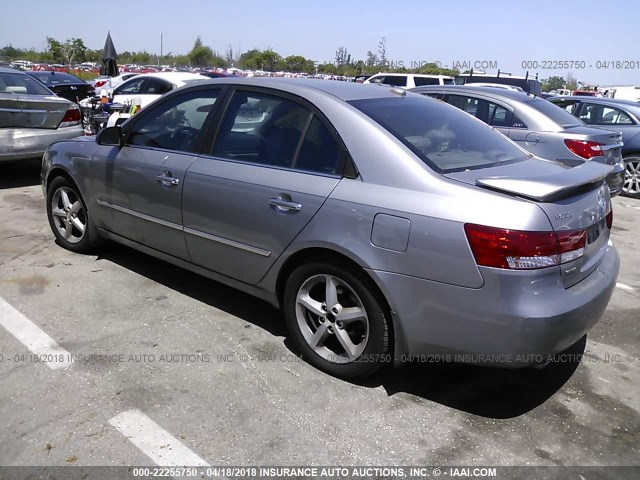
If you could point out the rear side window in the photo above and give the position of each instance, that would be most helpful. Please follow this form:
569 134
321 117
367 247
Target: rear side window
445 138
156 86
395 80
420 81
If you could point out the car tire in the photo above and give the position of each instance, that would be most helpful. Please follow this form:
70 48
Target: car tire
69 218
631 187
348 344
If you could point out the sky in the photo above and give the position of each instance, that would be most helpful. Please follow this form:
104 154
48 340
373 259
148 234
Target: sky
509 35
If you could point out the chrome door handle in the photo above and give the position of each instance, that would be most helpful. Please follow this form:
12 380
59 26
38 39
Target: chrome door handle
166 179
285 205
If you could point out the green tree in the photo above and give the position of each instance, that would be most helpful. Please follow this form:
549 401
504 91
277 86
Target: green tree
553 83
343 57
55 50
200 55
74 50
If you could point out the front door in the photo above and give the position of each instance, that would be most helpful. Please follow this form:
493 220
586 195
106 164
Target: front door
141 193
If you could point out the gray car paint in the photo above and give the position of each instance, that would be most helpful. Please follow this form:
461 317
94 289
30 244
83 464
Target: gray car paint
440 300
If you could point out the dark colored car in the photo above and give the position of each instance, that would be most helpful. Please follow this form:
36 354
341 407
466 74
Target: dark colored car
616 115
65 85
538 126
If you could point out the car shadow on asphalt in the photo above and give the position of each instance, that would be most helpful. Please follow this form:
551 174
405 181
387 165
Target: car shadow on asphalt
488 392
215 294
498 393
18 174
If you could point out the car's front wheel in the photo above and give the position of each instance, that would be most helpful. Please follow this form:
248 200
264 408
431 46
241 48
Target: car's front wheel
336 321
68 216
631 187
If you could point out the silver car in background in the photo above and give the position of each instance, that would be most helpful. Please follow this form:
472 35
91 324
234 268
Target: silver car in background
32 116
538 126
384 224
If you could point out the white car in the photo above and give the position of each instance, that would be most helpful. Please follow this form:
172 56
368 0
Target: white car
409 80
151 86
109 83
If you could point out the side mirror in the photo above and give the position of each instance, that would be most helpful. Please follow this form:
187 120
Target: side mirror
110 136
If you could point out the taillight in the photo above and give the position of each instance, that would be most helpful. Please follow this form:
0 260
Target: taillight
610 218
72 117
584 148
99 83
521 250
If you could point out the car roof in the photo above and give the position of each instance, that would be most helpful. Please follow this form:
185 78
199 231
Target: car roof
487 91
345 91
611 101
11 70
424 75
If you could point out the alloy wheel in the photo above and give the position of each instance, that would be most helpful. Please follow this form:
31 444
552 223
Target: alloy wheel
332 318
69 215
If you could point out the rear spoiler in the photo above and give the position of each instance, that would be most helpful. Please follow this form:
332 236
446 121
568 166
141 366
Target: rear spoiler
550 187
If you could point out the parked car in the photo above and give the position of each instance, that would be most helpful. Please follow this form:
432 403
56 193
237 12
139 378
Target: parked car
109 83
538 126
384 224
151 86
615 115
32 117
64 85
409 80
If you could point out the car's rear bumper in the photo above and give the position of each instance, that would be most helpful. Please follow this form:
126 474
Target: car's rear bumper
513 320
21 143
615 180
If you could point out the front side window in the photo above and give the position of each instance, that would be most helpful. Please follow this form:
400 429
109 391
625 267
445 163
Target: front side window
175 125
131 87
445 138
595 114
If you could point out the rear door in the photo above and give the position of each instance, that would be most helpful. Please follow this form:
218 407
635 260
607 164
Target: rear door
274 162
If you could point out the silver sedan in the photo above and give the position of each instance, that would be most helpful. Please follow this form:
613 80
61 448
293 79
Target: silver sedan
32 117
387 226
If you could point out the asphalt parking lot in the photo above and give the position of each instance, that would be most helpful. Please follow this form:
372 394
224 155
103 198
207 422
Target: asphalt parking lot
160 352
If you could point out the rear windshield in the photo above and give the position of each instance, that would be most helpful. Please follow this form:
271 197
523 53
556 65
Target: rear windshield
557 114
56 78
21 83
444 137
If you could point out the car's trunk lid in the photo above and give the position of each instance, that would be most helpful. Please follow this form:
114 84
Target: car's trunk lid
75 93
31 111
573 199
610 142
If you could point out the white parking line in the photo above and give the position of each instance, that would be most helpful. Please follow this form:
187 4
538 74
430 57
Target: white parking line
46 348
624 286
154 441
